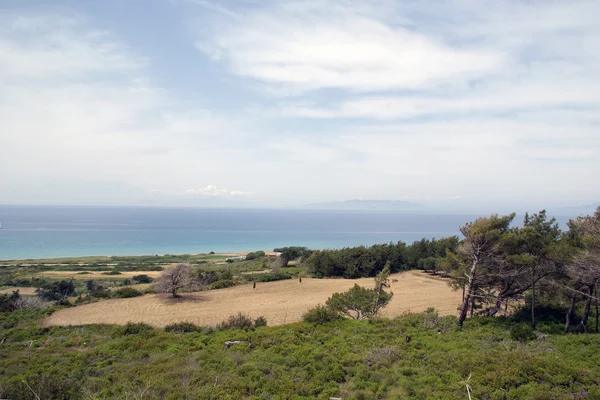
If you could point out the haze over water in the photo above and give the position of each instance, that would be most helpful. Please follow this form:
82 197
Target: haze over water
36 232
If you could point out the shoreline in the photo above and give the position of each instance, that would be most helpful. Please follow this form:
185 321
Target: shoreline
91 259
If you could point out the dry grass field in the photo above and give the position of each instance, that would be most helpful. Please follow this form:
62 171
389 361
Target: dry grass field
280 302
93 274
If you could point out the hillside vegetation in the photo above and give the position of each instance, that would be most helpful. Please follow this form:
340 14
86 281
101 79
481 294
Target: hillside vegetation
366 359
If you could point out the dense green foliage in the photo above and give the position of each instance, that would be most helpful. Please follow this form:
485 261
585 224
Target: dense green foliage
56 291
143 278
292 253
254 255
320 314
358 302
367 359
268 277
125 292
357 262
225 283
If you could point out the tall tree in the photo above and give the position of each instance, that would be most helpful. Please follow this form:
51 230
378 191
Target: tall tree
533 254
480 248
584 270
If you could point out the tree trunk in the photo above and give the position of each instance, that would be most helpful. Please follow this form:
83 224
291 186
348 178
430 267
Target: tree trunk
586 312
467 298
570 315
472 306
533 305
596 295
493 311
174 293
463 295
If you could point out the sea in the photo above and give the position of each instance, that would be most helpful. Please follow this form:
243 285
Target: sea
59 231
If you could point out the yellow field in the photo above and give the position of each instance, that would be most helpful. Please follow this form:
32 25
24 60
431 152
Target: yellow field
94 274
280 302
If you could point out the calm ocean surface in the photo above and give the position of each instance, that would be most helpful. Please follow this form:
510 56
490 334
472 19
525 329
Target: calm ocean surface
35 232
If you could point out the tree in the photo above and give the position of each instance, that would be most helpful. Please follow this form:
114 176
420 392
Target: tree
584 270
174 279
382 280
529 254
538 237
10 302
478 248
292 253
359 302
56 291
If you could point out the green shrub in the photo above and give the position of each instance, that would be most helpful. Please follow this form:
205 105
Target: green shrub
238 321
269 277
139 328
260 321
222 284
320 315
255 255
125 292
142 278
182 327
522 332
112 272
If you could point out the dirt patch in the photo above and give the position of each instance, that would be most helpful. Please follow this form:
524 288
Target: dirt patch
23 291
280 302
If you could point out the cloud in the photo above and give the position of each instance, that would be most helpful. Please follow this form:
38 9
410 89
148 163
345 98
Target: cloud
212 190
304 46
79 105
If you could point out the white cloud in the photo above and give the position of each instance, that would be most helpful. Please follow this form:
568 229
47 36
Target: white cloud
77 105
303 46
212 190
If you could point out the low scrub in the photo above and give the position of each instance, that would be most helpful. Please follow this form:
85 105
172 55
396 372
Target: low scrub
242 321
254 255
139 328
268 277
143 278
222 284
125 292
182 327
320 315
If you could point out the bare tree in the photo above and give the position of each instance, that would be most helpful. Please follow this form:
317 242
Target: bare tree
171 280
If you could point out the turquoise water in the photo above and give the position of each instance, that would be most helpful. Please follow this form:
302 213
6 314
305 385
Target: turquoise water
35 232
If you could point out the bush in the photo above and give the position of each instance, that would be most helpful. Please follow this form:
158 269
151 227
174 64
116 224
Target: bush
522 332
269 277
112 272
142 278
320 315
125 292
132 328
255 255
182 327
260 321
238 321
222 284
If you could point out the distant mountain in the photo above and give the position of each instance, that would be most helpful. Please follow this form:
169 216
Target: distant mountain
383 205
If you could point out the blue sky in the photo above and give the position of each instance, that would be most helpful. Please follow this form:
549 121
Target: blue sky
280 103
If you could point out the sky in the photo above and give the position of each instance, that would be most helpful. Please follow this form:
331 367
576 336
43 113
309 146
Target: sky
252 103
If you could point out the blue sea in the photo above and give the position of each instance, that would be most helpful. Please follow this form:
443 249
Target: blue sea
44 232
